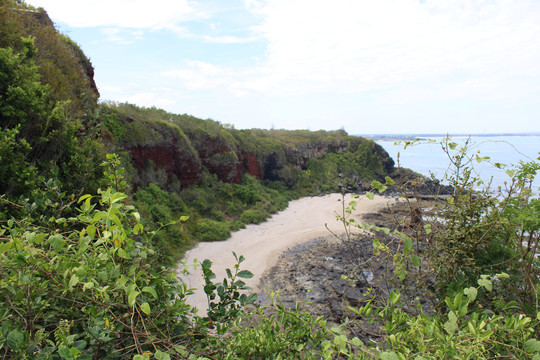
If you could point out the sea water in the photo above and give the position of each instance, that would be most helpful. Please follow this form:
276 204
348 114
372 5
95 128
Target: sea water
429 158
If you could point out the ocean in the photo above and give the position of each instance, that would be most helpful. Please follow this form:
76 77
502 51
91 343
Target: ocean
426 158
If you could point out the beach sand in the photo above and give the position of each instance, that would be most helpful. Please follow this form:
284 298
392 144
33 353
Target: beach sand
262 244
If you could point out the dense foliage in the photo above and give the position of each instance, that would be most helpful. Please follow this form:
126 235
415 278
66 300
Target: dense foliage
44 117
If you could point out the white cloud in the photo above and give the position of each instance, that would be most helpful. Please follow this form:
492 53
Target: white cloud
355 46
200 75
227 39
135 14
149 99
121 36
439 49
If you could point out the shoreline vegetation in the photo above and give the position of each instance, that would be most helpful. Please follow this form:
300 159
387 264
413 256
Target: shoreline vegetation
98 201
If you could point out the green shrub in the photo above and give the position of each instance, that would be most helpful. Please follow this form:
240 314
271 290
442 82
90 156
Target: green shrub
275 332
210 230
236 225
233 208
253 216
112 123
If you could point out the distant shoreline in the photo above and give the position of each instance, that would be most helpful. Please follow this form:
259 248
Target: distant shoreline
408 137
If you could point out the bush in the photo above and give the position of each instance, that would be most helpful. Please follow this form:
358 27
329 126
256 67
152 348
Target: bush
236 225
253 216
210 230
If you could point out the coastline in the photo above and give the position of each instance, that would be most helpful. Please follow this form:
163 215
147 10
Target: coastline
303 220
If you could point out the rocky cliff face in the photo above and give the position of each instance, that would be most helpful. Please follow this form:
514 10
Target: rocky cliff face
161 154
175 161
230 163
300 155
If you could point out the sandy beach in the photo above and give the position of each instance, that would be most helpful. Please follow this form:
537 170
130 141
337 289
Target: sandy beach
261 245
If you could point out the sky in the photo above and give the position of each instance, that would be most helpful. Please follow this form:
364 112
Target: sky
367 66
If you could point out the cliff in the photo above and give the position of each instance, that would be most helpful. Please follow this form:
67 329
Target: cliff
174 151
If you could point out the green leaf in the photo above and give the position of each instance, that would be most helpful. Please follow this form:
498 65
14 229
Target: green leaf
451 325
88 285
245 274
15 339
145 307
341 341
415 260
80 344
408 246
150 290
57 242
471 293
394 297
118 197
138 228
502 276
251 299
141 357
239 284
91 230
73 281
389 356
38 239
370 196
479 159
357 342
5 247
532 345
377 246
377 185
485 282
84 197
64 352
389 180
123 254
98 216
132 294
160 355
74 352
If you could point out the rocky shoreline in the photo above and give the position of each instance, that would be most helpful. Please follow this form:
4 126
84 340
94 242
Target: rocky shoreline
326 275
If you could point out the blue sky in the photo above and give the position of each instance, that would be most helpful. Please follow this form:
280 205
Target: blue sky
368 66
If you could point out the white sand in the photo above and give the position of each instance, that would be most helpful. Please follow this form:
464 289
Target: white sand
261 245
